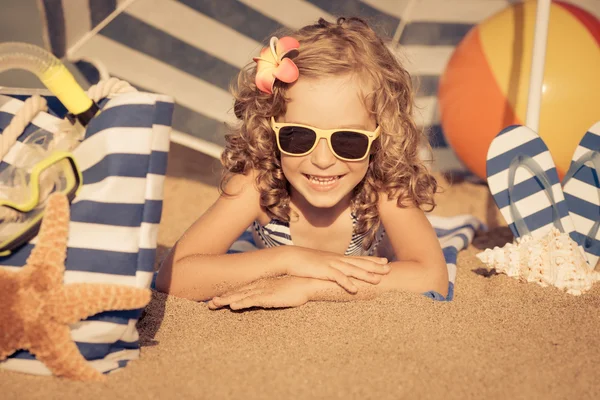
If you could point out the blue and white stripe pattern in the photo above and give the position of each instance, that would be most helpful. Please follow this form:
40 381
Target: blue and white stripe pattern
581 187
114 218
192 49
277 233
529 197
454 233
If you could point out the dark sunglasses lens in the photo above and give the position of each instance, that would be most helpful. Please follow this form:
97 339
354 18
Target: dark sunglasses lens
350 145
296 140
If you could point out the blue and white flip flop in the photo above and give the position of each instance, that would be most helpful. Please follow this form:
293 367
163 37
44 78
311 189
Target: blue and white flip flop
581 186
523 180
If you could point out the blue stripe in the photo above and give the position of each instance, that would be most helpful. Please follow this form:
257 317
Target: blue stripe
450 254
5 119
588 176
434 33
91 351
131 165
541 218
120 317
100 10
85 260
436 137
55 23
584 208
521 190
194 123
152 211
502 161
158 163
508 129
107 213
590 141
142 37
55 107
382 23
443 232
237 16
146 260
163 115
581 239
277 234
125 116
426 85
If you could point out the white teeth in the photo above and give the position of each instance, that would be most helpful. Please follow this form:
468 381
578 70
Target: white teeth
322 181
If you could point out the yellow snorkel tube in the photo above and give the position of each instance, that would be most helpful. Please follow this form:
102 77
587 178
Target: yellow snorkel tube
40 172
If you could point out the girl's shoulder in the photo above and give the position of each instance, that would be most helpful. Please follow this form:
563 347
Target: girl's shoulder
243 189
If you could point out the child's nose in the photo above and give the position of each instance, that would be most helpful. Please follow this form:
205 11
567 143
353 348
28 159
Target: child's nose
322 156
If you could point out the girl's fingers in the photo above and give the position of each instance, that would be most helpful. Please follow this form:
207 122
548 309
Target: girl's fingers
378 260
357 272
367 265
232 298
256 300
342 279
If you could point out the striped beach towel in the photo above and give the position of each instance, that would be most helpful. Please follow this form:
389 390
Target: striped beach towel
114 218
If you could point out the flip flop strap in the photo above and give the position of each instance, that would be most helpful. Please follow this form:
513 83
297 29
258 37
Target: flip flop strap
592 156
532 166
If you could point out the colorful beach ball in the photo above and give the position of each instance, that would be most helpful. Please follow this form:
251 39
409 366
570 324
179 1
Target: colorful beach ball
484 87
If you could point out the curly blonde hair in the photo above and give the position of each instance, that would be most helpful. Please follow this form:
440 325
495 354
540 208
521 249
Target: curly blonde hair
348 46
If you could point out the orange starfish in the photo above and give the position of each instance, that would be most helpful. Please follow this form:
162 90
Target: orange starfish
37 307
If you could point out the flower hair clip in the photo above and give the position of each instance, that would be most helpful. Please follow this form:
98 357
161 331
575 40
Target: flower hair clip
275 63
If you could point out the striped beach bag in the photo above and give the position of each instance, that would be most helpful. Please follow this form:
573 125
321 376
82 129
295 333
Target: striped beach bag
114 216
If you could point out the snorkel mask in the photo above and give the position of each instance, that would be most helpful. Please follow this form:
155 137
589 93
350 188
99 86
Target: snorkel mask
41 164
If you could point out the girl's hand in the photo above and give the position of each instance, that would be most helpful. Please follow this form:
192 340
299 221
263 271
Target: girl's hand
286 291
308 263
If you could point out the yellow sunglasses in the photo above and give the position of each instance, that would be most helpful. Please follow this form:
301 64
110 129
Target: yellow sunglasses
13 234
345 144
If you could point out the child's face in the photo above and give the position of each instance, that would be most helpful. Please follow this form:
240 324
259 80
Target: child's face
326 103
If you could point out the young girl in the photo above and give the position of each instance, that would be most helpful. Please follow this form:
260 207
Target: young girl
324 166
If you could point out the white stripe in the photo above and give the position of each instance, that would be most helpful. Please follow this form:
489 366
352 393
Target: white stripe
148 235
201 145
110 141
445 159
451 272
425 60
456 242
103 332
582 191
426 111
452 222
35 367
499 181
295 14
139 280
155 187
467 231
104 237
198 30
567 223
130 98
160 77
510 140
533 203
13 154
160 138
77 21
584 224
114 189
460 11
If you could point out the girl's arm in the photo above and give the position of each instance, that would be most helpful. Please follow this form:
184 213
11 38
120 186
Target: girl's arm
421 265
197 266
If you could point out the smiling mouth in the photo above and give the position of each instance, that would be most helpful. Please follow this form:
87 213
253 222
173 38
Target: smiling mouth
323 180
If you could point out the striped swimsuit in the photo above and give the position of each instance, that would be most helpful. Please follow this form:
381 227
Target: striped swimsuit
277 233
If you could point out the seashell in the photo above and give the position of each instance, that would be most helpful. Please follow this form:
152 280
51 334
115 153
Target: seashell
553 260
